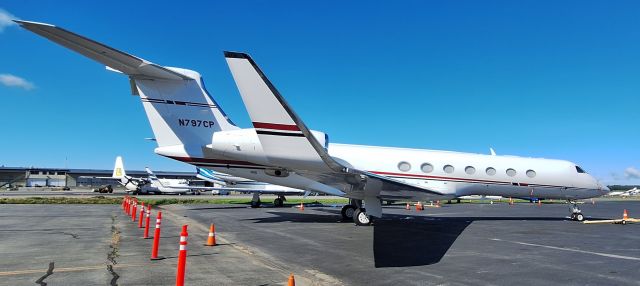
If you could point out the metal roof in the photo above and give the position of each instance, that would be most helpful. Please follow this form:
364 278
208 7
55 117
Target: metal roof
98 172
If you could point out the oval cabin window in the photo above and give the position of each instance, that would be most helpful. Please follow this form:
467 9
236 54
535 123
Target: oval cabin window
426 168
491 171
448 169
511 172
404 166
470 170
531 173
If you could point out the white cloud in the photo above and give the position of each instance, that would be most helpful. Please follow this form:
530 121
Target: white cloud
632 173
14 81
6 19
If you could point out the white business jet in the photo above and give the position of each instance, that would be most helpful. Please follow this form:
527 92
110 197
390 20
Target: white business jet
627 193
233 183
190 127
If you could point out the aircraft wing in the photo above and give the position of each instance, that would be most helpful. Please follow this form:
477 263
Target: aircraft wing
289 144
110 57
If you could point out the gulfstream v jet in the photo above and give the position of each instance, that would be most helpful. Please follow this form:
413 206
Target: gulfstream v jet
281 149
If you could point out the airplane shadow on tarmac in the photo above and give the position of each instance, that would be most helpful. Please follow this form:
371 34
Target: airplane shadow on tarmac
405 240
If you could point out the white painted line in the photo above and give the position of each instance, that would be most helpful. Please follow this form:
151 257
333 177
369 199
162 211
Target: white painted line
571 249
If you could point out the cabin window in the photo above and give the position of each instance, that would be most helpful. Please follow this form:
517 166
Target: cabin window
404 166
470 170
511 172
426 168
491 171
531 173
448 169
580 170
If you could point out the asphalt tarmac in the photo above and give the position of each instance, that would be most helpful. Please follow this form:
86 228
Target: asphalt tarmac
457 244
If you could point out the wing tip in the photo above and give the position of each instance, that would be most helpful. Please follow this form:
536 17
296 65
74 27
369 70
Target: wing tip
236 55
31 23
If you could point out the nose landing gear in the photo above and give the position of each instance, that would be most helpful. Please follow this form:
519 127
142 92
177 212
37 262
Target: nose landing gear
576 213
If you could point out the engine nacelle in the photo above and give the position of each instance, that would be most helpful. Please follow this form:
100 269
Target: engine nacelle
277 172
244 145
241 145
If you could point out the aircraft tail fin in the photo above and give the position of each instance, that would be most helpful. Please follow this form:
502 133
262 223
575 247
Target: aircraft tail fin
208 176
180 110
152 177
118 169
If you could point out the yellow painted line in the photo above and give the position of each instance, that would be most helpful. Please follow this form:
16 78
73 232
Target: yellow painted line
65 269
611 221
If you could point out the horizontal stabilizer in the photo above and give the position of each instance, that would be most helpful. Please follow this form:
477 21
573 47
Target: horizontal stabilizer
114 59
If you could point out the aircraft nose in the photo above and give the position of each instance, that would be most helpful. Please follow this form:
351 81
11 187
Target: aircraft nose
603 188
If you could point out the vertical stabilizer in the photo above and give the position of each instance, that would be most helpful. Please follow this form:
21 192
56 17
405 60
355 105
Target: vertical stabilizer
155 182
118 169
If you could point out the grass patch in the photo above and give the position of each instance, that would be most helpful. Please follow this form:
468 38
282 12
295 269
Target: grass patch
239 201
62 200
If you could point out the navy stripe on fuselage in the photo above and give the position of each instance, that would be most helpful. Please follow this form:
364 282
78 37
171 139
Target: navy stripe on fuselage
175 102
276 133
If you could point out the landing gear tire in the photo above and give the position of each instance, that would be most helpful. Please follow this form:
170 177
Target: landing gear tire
347 212
278 203
361 218
576 213
255 204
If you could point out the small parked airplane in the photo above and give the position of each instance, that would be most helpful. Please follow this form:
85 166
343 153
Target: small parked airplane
172 186
632 192
131 184
190 127
234 183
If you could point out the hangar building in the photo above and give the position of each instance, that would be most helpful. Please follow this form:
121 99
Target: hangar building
52 177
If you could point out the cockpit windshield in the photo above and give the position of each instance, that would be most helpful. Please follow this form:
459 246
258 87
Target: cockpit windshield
580 170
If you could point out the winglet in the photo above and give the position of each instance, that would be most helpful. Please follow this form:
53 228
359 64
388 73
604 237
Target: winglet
493 152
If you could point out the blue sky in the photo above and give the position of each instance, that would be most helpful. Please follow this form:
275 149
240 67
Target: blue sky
552 79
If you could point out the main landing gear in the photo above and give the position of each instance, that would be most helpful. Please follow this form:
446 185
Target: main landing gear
279 201
255 200
576 213
354 211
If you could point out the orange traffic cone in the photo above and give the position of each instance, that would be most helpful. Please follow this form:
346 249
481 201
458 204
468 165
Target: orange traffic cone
301 206
211 240
510 201
408 207
437 203
539 202
625 216
292 280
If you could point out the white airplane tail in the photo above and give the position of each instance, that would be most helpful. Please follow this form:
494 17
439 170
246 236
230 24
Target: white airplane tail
155 182
181 112
179 109
119 172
